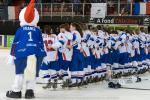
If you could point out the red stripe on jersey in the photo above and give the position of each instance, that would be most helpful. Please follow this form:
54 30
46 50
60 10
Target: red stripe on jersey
96 55
69 42
84 53
56 56
13 50
64 56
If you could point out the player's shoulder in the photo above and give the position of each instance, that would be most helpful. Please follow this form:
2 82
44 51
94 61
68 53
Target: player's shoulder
53 35
44 35
61 35
77 32
68 34
87 32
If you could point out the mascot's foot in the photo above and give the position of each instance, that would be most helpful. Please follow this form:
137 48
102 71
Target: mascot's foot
29 94
12 94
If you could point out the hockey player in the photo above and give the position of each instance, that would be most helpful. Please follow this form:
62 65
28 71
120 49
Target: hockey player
95 54
65 53
105 56
148 46
135 53
114 54
101 70
143 51
77 73
129 68
86 53
50 66
27 52
148 49
123 53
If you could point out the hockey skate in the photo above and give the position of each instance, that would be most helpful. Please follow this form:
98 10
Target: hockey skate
85 82
48 85
93 80
29 94
71 85
90 79
114 75
96 79
66 83
104 77
80 84
54 84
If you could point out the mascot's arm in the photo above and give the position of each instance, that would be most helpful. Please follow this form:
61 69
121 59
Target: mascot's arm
41 39
14 44
16 40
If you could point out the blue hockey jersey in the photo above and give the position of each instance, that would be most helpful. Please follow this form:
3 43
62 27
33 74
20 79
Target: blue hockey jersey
28 41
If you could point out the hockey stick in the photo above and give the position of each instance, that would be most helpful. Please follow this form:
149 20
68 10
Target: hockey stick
119 86
134 88
130 80
45 83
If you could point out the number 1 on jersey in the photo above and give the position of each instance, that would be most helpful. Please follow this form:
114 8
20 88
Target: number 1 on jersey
30 36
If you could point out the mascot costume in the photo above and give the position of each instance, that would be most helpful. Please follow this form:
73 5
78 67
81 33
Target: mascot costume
27 53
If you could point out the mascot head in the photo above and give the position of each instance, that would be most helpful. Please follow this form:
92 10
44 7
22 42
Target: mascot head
29 15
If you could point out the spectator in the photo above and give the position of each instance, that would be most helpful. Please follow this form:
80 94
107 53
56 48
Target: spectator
1 1
138 0
67 1
77 7
87 7
96 1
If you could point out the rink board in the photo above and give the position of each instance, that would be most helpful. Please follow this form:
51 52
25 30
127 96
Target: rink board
97 91
6 41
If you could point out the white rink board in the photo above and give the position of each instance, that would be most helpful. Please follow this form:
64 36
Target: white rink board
98 91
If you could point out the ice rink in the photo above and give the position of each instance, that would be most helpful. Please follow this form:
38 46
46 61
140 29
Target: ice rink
97 91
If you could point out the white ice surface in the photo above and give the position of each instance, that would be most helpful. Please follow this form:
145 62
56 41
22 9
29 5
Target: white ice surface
98 91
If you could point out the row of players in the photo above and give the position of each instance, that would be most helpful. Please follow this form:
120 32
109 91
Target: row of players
79 55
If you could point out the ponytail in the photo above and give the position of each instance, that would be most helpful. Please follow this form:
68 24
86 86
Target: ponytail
78 28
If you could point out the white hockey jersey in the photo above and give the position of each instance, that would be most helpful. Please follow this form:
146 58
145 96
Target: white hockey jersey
67 39
85 39
135 43
51 40
122 42
76 40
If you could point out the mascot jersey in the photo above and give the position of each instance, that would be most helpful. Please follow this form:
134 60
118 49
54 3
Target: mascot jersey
28 41
28 38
